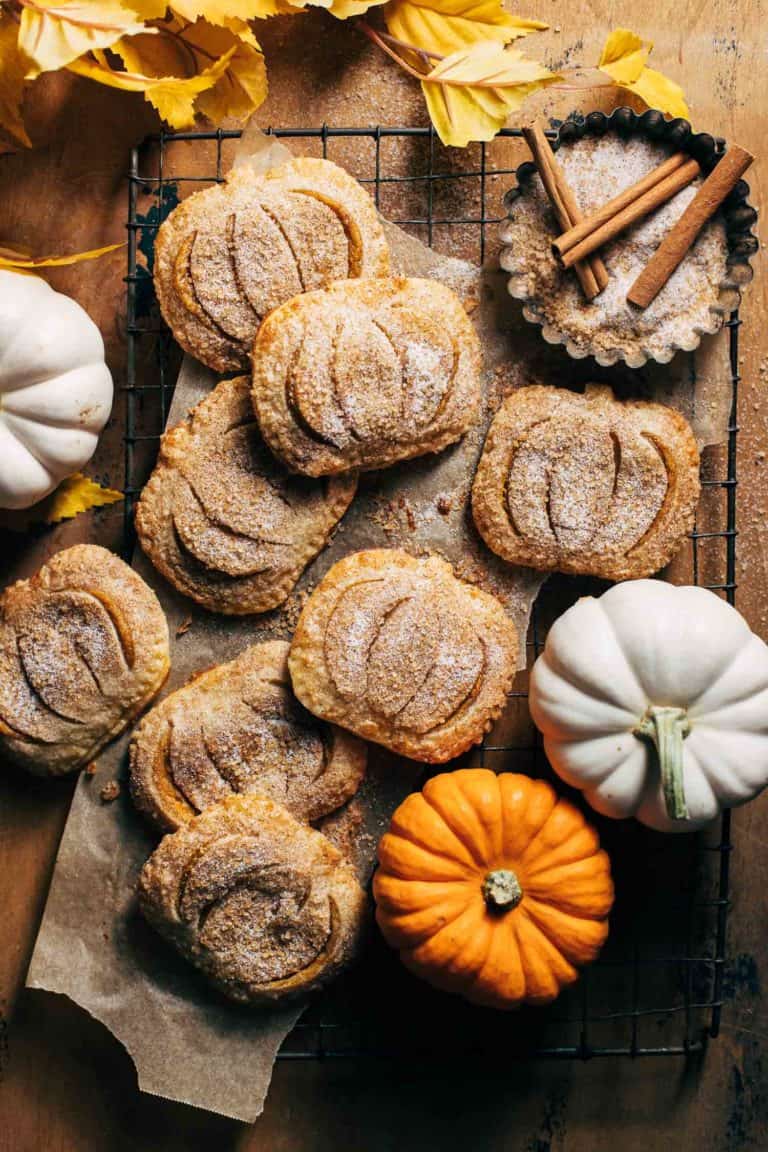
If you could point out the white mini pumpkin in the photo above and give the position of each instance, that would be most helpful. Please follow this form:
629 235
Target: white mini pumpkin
55 389
653 700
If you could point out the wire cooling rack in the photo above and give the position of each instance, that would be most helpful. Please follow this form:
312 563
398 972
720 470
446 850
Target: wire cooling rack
658 987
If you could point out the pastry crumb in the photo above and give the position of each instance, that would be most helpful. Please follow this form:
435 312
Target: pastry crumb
110 792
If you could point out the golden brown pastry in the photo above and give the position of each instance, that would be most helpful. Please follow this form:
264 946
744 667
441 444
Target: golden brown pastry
239 728
586 483
365 373
230 254
402 653
263 905
83 648
222 521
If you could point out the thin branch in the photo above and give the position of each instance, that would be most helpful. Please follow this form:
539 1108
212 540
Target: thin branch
425 53
388 43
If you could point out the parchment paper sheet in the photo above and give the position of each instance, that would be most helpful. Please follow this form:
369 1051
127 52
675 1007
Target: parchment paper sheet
189 1044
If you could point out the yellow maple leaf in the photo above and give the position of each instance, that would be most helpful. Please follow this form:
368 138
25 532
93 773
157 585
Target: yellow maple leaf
471 93
445 26
21 261
53 33
13 69
624 58
75 495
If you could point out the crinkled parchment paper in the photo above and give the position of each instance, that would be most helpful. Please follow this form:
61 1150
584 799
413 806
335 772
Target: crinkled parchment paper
189 1044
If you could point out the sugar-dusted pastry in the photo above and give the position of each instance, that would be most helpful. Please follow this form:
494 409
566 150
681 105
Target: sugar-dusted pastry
239 728
83 649
586 483
366 373
230 254
263 905
220 518
402 653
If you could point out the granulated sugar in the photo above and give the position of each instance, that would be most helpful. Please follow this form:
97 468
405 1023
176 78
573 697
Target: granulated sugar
687 306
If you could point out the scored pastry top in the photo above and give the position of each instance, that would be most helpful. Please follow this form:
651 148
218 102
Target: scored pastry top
365 373
239 728
219 517
586 483
83 648
265 906
228 255
402 653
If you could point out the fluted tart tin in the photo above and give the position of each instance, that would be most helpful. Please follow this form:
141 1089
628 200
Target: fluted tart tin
600 156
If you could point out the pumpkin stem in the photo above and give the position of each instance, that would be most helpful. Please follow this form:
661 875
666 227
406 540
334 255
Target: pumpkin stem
501 889
666 728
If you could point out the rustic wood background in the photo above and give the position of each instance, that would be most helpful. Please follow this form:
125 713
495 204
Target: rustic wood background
65 1084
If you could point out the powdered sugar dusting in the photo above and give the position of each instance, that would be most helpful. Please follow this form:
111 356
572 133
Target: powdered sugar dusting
608 327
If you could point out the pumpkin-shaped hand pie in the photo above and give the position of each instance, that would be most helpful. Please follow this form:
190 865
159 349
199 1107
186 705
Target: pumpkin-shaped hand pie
228 255
402 653
366 373
653 700
239 728
586 483
219 517
493 888
83 649
265 906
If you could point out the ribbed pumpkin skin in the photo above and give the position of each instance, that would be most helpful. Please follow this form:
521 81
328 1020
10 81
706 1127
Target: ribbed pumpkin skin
442 843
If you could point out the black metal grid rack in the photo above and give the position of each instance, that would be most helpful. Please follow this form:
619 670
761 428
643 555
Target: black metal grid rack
658 988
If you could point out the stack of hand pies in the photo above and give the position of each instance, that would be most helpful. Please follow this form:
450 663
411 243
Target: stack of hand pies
285 276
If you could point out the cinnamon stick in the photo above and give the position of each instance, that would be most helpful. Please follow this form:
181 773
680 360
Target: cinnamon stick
611 209
721 180
633 212
592 274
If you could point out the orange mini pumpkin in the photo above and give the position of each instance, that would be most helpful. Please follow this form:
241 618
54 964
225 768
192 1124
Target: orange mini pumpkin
493 887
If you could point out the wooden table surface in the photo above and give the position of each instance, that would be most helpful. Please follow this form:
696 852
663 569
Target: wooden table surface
65 1084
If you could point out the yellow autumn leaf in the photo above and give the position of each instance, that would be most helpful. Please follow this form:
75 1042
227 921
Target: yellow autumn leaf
188 50
471 93
343 9
658 91
13 69
445 26
75 495
243 87
161 51
172 96
223 11
53 33
14 254
624 58
12 258
624 55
